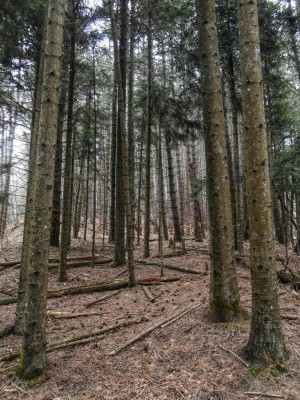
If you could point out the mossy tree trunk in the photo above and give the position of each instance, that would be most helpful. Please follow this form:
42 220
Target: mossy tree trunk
224 295
32 361
266 342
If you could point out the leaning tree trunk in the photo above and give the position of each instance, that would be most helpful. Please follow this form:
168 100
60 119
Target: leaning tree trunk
266 342
224 295
33 361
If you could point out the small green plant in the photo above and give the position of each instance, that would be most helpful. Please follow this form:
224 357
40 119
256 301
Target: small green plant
255 371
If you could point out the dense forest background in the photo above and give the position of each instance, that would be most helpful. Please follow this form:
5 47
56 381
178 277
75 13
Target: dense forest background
172 95
151 128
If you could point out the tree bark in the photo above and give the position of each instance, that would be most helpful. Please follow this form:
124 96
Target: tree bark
147 215
32 361
224 294
266 342
66 207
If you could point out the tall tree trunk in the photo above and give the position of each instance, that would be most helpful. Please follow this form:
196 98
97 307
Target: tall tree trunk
8 168
130 120
113 157
197 220
224 295
78 199
139 222
120 251
55 220
66 207
236 155
124 146
172 188
181 194
32 362
34 138
148 138
266 340
162 209
95 161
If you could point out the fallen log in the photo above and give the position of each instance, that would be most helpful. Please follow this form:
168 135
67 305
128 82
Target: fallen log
8 264
173 267
7 330
102 298
84 338
69 315
290 316
181 315
148 294
5 302
172 254
3 267
148 330
158 280
83 263
98 287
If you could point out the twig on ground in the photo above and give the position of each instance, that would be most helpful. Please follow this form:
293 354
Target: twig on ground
235 355
272 396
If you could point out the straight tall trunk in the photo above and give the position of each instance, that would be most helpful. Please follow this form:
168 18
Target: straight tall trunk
266 341
34 138
113 158
148 139
66 206
197 220
173 198
32 362
124 145
55 221
224 294
120 250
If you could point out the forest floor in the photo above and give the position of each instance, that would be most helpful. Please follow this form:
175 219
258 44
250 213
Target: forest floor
191 358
